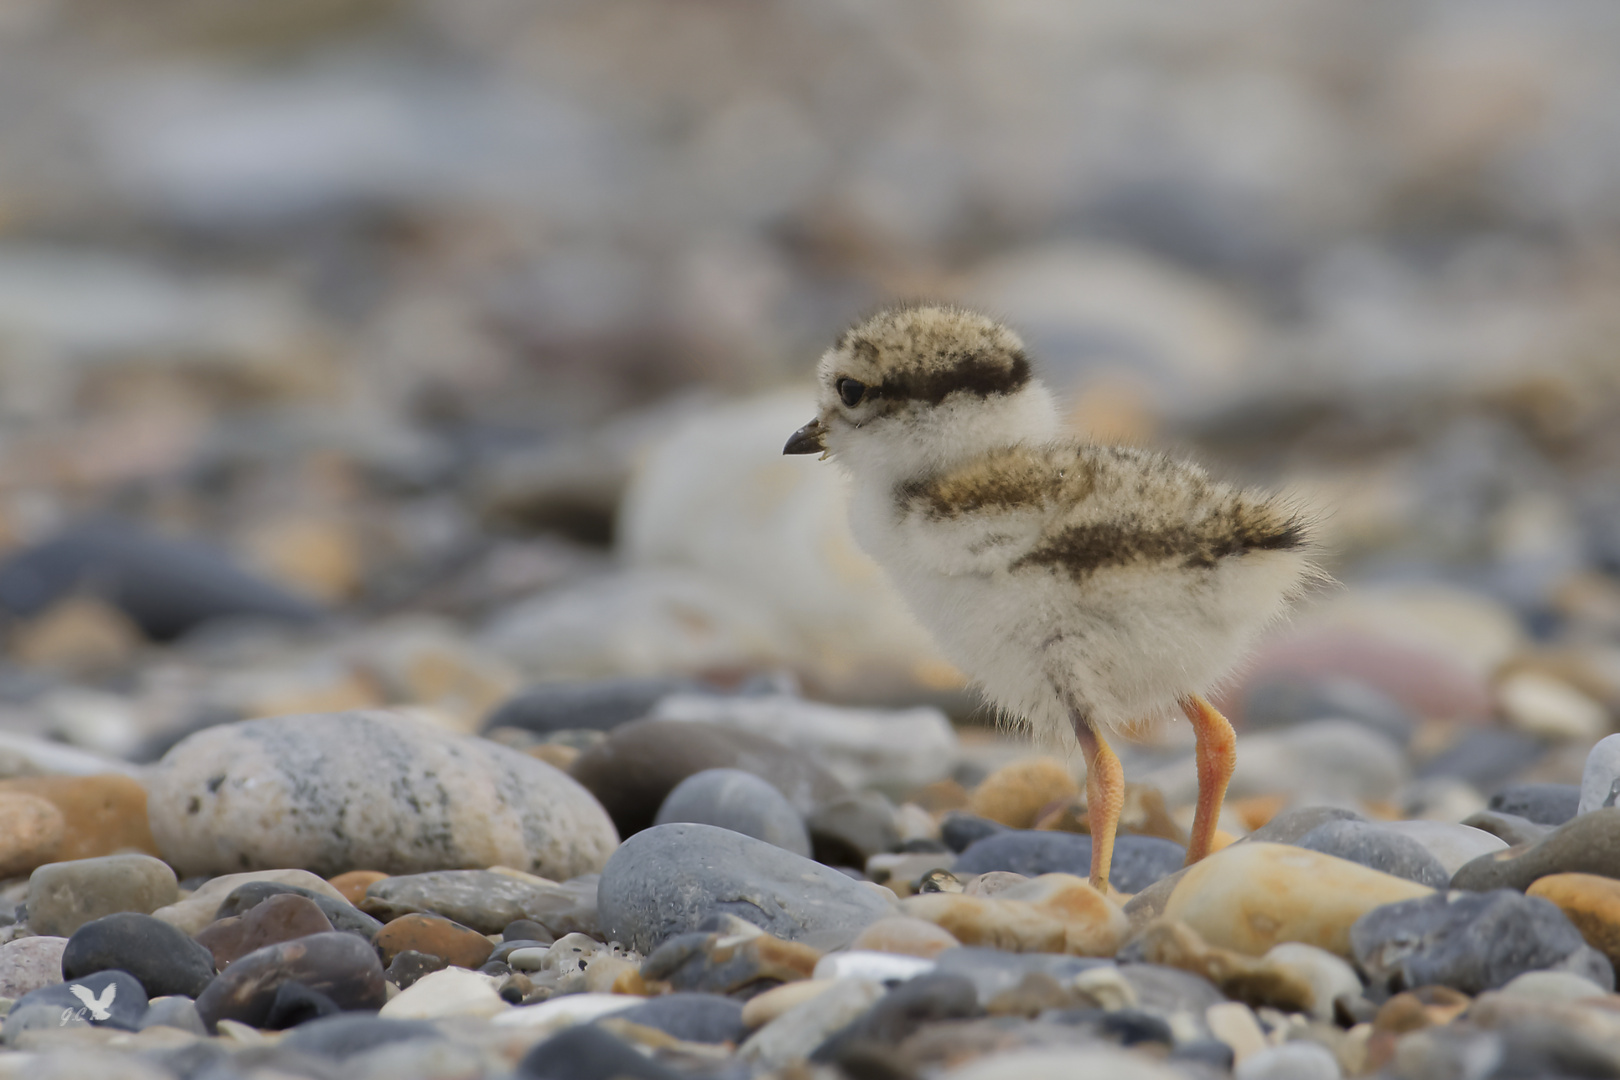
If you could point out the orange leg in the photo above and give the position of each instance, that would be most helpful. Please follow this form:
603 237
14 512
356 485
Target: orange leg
1105 798
1217 756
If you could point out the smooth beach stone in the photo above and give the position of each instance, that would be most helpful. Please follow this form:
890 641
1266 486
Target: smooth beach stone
633 771
352 885
1544 804
886 968
452 992
1453 845
112 999
1065 1063
1590 902
1290 1061
701 1018
1139 861
1288 826
1511 829
166 585
1373 846
1587 844
897 1015
161 956
340 913
728 963
436 936
795 1034
1252 896
851 829
667 879
993 971
1015 794
407 967
64 896
1485 757
739 801
596 705
488 901
103 814
175 1012
367 789
587 1052
1292 977
341 966
905 936
1600 779
1553 986
202 906
31 831
1289 699
294 1004
29 963
1322 760
526 930
960 830
285 917
1470 942
345 1035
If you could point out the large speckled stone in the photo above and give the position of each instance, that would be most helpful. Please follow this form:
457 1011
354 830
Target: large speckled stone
666 880
367 789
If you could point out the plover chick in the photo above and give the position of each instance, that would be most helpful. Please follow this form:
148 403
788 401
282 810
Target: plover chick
1084 588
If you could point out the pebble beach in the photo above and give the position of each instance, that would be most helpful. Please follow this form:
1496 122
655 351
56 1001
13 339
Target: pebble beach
418 661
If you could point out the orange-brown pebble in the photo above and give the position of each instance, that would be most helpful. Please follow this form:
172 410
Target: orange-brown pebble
353 885
1015 794
1257 810
1591 902
1093 924
435 936
30 833
102 815
905 935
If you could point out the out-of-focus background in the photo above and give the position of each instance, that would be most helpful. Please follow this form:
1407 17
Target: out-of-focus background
413 352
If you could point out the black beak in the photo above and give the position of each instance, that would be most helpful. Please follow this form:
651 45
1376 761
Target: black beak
809 439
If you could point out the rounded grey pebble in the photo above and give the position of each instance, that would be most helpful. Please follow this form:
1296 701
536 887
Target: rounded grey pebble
1380 849
702 1018
739 801
1544 804
668 879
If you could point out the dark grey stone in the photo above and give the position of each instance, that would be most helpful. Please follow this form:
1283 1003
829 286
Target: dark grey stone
1511 828
112 999
739 801
702 1018
162 957
961 830
1128 1027
525 930
898 1014
666 880
1587 844
489 902
597 705
1470 942
1166 991
587 1052
176 1012
296 1004
851 829
1485 757
339 965
635 768
349 1034
1544 804
1365 843
342 916
410 965
1139 861
166 585
1292 699
992 971
1288 826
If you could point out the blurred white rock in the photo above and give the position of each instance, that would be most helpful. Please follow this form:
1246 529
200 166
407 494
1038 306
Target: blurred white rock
1330 762
896 750
718 498
1542 705
645 620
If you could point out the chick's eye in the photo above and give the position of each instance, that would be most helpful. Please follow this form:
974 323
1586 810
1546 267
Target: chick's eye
851 391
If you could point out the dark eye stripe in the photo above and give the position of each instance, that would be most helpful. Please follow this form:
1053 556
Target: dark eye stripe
974 374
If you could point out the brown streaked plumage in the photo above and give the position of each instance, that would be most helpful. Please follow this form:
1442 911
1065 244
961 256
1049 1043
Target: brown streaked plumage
1084 588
